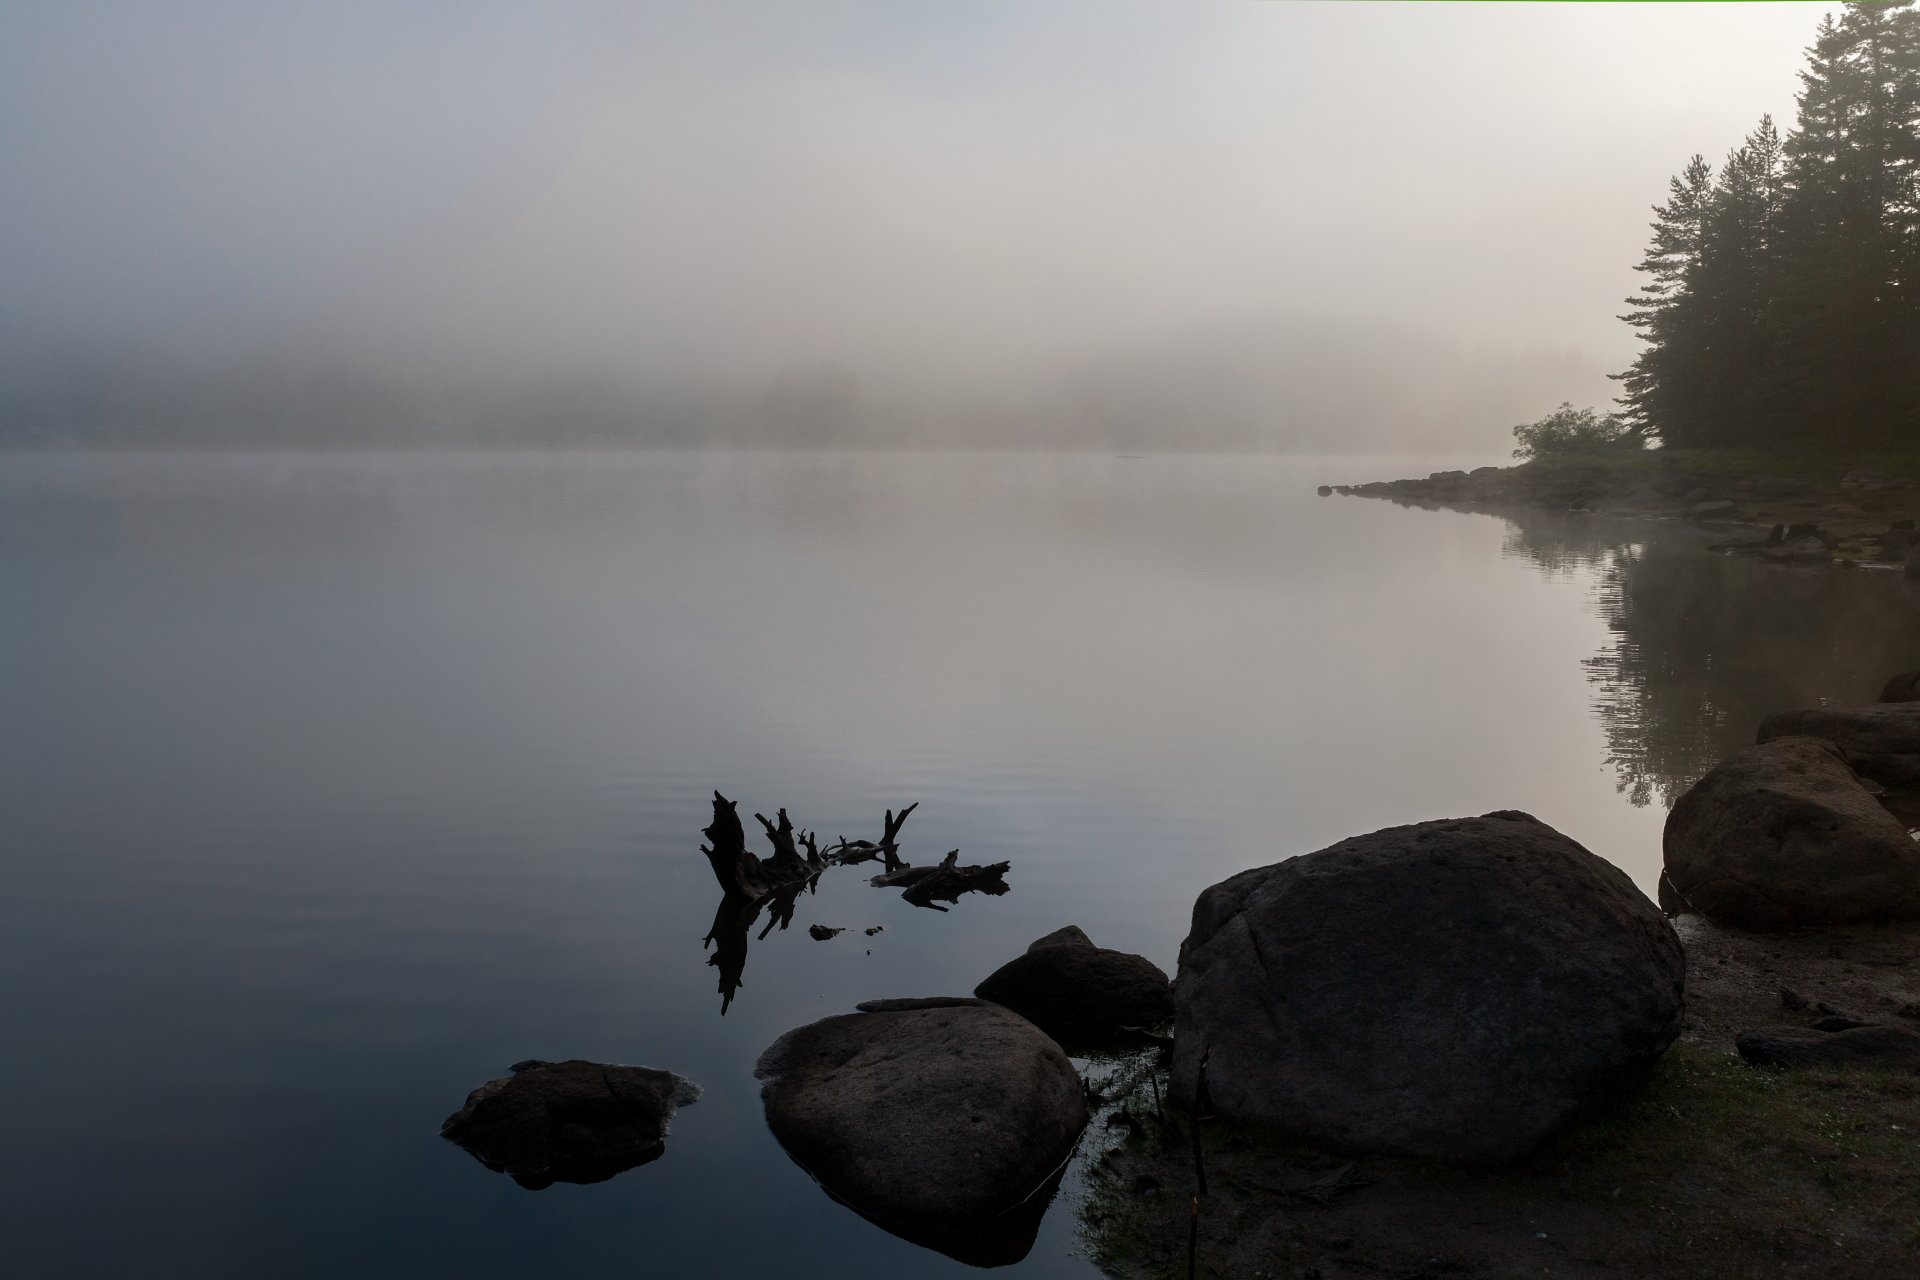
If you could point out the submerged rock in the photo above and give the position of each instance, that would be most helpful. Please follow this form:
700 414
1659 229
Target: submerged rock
1077 992
1881 741
945 1121
1856 1045
1798 549
1453 990
572 1121
1785 834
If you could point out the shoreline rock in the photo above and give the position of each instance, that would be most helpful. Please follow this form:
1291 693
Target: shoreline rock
1079 993
1880 741
946 1121
1785 834
1453 990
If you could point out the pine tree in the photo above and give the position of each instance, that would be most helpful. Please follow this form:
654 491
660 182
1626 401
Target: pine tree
1658 399
1783 301
1734 298
1850 340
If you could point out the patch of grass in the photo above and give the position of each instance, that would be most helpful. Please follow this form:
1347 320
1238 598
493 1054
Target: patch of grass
1713 1170
1819 1151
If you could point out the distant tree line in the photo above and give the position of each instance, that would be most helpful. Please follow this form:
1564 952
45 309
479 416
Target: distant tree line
1781 307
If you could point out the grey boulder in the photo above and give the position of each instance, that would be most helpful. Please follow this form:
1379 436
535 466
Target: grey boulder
945 1121
573 1121
1881 740
1079 993
1784 834
1454 990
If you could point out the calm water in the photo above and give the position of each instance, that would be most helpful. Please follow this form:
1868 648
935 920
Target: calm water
332 786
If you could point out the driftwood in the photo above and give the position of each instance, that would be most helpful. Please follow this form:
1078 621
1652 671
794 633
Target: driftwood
743 875
751 884
851 852
930 886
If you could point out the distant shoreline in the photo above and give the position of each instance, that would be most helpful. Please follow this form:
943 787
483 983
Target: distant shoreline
1819 509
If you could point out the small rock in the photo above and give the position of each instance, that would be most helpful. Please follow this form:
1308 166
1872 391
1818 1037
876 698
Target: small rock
1867 1047
1835 1022
1803 549
1792 1001
875 929
1324 490
573 1121
1075 991
821 933
1881 740
944 1121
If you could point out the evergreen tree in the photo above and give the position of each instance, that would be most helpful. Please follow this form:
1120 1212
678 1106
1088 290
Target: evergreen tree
1850 344
1734 309
1783 301
1659 399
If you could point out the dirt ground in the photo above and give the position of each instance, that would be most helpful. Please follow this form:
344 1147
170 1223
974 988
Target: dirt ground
1712 1169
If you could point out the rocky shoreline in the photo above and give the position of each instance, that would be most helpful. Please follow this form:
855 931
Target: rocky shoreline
1466 1046
1713 1169
1774 1136
1863 516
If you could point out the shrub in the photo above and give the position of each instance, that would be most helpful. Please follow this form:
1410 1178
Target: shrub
1569 430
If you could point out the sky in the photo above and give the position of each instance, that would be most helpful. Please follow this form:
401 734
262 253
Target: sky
946 195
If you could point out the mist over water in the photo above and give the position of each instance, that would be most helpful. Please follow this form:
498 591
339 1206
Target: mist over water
1304 227
337 783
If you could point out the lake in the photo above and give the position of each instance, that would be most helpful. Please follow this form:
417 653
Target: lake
335 784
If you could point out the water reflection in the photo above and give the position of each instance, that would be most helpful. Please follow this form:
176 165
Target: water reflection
1001 1242
1704 646
573 1121
728 936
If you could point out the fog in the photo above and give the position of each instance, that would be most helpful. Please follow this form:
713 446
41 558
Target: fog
1280 226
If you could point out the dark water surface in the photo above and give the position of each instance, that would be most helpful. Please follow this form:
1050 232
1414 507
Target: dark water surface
331 786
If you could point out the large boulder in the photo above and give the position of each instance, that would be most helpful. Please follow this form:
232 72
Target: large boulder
1881 741
572 1121
1079 993
1453 990
946 1121
1784 834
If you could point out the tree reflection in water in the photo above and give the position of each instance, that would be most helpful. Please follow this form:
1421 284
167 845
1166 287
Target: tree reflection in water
1705 645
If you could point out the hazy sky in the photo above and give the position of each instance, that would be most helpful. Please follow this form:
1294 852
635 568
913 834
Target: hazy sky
936 188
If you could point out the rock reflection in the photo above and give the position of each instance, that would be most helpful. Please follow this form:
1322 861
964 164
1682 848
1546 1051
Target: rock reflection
1001 1242
573 1121
1704 646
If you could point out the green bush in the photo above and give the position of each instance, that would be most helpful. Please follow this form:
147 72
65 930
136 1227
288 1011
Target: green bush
1569 430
